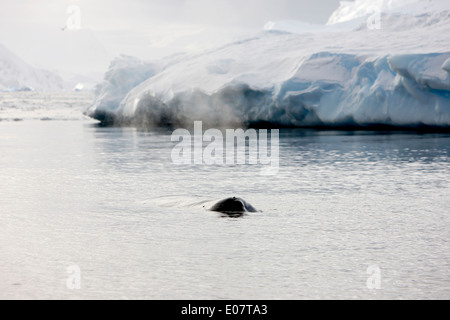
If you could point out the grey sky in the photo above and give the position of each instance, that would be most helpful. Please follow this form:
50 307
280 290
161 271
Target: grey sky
250 13
145 28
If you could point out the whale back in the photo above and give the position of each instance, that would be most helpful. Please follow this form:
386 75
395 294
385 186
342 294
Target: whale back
233 205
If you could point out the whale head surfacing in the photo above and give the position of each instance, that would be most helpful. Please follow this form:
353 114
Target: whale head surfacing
233 206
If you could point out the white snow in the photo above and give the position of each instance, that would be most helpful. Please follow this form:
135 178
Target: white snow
17 75
296 74
351 10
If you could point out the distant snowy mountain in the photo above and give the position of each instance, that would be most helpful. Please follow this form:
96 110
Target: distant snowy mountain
17 75
296 74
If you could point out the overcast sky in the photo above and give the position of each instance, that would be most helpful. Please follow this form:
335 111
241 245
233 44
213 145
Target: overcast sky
34 29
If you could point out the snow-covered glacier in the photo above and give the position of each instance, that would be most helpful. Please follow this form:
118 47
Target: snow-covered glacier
299 75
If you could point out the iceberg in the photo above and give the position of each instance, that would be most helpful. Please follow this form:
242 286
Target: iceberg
298 75
84 86
124 74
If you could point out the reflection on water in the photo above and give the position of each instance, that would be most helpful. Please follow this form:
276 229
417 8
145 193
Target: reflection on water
110 201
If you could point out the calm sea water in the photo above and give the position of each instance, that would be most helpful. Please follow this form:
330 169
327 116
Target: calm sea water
110 202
